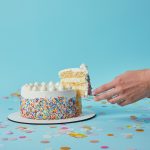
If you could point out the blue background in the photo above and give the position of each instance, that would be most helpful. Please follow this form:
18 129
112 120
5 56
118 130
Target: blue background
39 38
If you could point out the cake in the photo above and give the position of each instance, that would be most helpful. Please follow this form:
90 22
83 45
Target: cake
78 79
47 102
50 101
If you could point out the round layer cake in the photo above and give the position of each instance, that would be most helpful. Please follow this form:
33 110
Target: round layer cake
48 102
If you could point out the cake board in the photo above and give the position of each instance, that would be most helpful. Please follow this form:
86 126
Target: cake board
16 117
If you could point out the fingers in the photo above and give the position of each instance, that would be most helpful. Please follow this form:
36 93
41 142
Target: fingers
107 95
104 88
125 103
116 99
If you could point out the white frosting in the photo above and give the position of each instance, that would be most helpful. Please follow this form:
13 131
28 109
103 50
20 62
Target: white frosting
52 88
57 84
47 94
50 83
45 91
43 88
60 88
35 88
83 66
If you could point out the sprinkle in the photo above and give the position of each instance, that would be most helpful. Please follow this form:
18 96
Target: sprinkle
28 131
5 97
22 128
53 126
22 137
87 127
3 126
94 141
110 134
129 126
104 147
12 139
133 117
65 148
16 94
77 135
9 132
4 139
139 130
45 141
64 128
128 135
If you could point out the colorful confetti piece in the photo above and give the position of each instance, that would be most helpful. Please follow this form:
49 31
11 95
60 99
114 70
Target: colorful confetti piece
5 97
133 117
94 141
110 134
104 147
77 135
22 137
9 132
28 131
4 139
128 135
15 94
53 126
129 126
12 139
45 141
87 127
139 130
65 148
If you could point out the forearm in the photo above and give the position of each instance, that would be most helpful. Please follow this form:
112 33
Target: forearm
147 80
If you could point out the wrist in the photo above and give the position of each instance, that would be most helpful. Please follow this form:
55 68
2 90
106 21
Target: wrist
147 81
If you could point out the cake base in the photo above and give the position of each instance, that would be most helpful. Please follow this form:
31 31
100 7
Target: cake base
16 117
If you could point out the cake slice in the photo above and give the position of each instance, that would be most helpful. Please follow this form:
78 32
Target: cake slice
78 79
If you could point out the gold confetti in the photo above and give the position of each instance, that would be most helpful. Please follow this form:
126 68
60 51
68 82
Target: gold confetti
87 127
139 130
94 141
77 135
129 126
110 134
65 148
15 94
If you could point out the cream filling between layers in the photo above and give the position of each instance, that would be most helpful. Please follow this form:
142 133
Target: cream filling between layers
82 80
83 87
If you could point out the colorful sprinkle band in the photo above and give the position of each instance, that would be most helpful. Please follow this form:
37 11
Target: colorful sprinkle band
52 108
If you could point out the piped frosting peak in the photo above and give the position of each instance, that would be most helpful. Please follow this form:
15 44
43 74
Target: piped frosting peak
51 86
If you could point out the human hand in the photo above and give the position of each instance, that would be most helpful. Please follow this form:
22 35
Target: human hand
126 88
